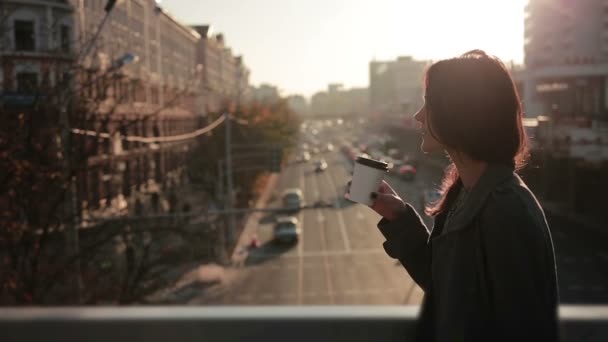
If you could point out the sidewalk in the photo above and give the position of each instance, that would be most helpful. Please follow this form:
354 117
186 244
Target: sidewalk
239 253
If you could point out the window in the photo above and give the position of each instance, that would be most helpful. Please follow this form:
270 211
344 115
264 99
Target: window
65 38
24 35
27 82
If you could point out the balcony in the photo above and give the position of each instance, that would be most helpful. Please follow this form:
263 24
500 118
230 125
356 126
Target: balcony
252 323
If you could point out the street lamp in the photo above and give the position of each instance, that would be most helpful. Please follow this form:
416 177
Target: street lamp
126 59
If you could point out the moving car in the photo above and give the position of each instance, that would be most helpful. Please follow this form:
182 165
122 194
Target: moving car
304 157
287 230
407 172
292 200
320 165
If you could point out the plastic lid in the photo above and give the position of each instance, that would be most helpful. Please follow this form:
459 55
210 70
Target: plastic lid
376 164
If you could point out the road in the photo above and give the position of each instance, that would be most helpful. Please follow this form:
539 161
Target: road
338 260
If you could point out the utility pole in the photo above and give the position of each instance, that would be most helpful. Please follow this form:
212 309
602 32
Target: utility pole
71 204
229 183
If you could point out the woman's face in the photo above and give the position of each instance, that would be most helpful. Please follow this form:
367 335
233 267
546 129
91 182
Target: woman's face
429 143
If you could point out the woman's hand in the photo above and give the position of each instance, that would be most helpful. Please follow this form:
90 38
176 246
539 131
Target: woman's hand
386 202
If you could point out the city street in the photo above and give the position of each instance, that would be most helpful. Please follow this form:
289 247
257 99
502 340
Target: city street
339 257
338 260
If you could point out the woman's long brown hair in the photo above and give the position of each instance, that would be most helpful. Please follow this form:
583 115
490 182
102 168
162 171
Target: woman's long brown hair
473 106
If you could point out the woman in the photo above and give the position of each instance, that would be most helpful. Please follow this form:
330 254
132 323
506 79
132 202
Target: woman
487 267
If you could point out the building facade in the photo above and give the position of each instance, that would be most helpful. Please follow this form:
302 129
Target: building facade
153 97
566 58
298 104
36 48
225 76
395 87
138 76
338 101
565 80
264 93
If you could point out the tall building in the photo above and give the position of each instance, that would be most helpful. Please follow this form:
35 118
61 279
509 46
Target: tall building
36 48
46 45
337 101
225 76
265 93
154 97
566 58
395 87
298 104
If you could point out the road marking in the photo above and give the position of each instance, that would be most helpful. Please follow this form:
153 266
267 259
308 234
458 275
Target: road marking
316 254
301 246
322 230
340 215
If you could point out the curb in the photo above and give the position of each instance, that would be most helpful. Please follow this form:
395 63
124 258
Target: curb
250 226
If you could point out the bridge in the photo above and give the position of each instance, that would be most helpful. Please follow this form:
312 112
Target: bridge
251 323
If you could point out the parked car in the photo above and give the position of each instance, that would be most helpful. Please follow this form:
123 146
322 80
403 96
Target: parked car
287 230
293 200
320 165
407 172
329 147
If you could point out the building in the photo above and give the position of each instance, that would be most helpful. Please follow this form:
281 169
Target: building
36 48
566 57
395 87
225 76
337 101
264 93
566 74
298 104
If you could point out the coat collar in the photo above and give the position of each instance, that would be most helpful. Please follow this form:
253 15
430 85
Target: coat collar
494 175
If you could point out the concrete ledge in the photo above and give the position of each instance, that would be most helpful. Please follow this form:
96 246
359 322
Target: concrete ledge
255 323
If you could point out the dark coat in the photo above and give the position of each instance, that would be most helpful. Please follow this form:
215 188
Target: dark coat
492 275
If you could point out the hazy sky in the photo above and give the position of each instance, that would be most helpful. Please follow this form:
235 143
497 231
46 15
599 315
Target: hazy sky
302 45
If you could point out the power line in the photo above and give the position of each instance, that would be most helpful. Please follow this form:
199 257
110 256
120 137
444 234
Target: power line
152 140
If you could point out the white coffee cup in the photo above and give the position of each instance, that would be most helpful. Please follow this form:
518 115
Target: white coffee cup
367 177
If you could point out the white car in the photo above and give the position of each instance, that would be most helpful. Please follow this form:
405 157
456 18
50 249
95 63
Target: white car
305 157
321 165
287 230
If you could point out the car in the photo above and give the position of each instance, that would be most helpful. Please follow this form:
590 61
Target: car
293 200
304 157
407 172
287 230
322 204
320 165
316 150
329 147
